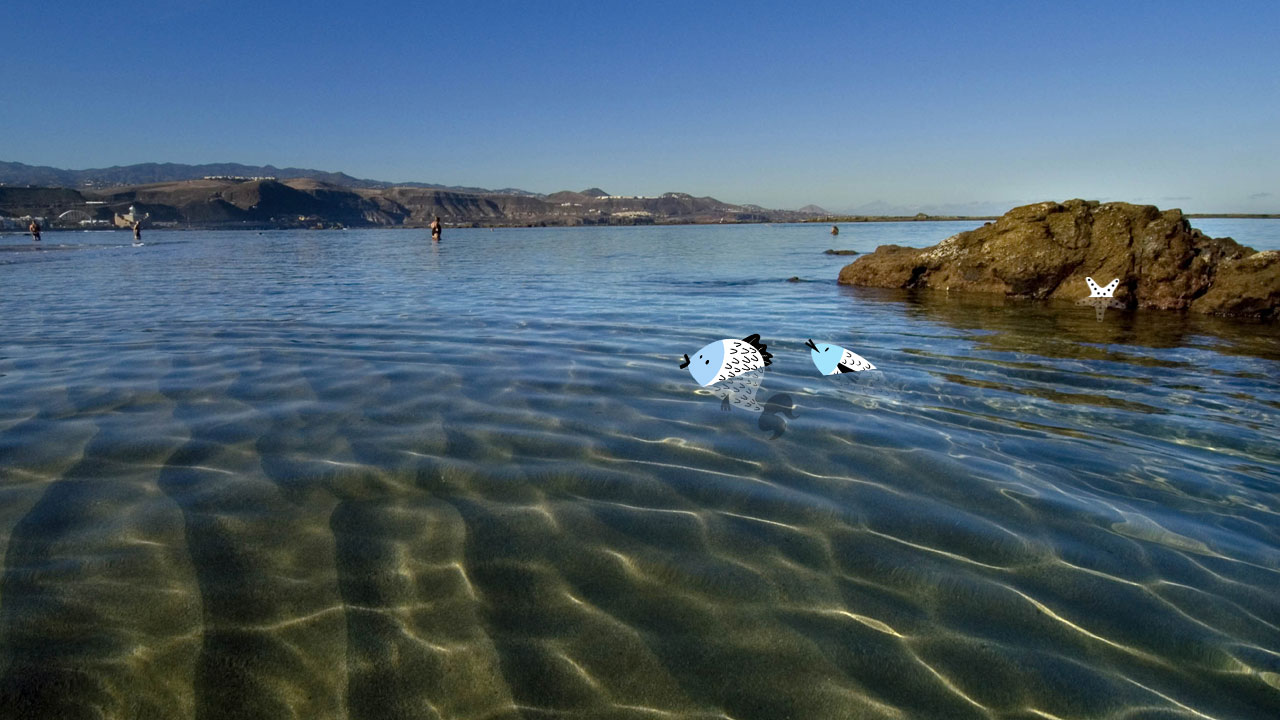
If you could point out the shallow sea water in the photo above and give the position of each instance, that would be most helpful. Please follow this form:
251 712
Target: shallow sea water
355 475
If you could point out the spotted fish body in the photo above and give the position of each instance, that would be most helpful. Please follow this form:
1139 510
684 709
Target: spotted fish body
724 359
833 359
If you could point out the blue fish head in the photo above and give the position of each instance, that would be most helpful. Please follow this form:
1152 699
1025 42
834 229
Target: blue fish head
826 356
705 364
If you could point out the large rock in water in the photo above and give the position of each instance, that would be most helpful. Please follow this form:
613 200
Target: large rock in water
1046 250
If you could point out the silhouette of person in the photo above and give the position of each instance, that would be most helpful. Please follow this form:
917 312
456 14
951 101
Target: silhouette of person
435 229
34 227
835 230
137 231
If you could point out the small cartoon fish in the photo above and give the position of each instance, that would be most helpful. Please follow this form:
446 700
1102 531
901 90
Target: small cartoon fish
1096 291
832 359
723 359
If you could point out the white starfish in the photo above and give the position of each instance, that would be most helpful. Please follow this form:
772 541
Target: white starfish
1096 291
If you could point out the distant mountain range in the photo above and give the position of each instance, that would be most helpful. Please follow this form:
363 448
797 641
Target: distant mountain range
235 195
15 173
242 202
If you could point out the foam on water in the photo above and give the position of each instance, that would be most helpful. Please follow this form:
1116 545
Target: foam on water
356 475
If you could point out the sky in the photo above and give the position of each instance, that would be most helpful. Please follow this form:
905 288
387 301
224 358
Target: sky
875 106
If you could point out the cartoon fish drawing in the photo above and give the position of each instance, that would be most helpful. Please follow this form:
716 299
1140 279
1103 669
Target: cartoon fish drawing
833 359
1096 291
740 391
724 359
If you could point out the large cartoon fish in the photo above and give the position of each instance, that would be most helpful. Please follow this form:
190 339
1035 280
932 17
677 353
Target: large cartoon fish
724 359
740 391
832 359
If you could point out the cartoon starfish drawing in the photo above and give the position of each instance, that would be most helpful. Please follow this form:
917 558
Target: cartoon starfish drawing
1096 291
1101 297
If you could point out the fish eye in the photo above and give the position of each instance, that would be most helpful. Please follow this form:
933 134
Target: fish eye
826 349
707 362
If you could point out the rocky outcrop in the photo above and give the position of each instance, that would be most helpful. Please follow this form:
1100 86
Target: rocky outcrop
1046 250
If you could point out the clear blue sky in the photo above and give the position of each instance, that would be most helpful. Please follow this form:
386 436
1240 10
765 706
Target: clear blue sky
842 104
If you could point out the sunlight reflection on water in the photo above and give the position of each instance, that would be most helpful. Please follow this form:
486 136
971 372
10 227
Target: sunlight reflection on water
351 474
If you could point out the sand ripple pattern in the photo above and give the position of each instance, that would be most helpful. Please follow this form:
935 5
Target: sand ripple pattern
424 484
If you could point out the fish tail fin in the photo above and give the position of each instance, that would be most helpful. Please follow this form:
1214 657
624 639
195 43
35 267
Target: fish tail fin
771 423
754 341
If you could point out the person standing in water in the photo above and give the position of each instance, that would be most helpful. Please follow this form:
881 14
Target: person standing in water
34 228
435 229
835 230
137 231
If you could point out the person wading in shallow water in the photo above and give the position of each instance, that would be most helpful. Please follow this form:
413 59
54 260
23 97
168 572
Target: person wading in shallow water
435 229
137 231
34 227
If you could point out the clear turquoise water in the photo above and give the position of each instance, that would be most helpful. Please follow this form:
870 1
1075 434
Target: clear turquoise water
354 475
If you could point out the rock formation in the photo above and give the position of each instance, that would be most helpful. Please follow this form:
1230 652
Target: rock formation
1047 249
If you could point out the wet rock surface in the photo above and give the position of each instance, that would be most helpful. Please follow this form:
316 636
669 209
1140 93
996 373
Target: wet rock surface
1046 250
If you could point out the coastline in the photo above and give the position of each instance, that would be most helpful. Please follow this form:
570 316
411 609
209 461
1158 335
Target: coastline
957 218
834 219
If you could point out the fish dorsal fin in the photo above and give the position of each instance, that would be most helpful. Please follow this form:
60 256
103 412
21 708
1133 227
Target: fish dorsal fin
754 341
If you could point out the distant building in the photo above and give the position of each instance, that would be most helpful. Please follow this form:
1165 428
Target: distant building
239 178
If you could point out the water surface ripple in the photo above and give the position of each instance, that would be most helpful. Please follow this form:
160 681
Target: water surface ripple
355 475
